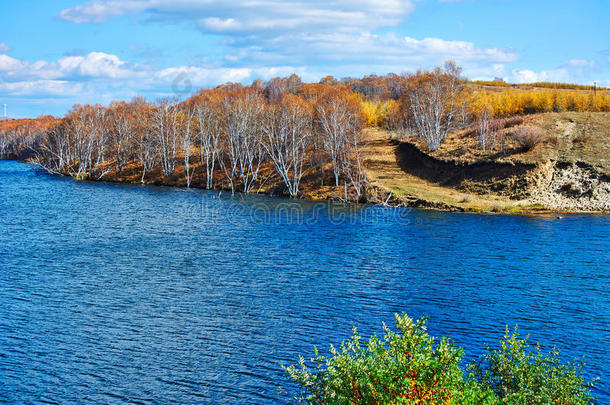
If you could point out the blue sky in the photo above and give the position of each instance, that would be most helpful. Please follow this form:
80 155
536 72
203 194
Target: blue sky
54 54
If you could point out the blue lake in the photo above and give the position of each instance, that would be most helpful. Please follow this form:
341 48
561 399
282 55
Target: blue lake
136 294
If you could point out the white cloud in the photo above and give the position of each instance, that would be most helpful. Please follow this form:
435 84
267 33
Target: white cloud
488 72
381 53
73 76
320 34
8 64
582 71
85 77
530 76
202 76
41 88
580 63
94 65
100 11
343 37
237 15
4 48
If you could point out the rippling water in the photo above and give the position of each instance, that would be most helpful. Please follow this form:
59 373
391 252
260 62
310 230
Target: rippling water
137 294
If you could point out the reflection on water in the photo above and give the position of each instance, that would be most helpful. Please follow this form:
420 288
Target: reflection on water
121 293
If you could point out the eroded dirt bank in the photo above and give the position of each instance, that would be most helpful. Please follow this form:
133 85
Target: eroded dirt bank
550 178
555 184
570 186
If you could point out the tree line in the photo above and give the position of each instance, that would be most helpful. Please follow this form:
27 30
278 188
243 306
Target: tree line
230 135
239 137
235 137
429 108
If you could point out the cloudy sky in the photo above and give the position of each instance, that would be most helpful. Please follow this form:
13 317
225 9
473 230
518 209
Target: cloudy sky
57 53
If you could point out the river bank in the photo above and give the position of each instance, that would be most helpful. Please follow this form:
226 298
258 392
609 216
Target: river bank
417 194
569 172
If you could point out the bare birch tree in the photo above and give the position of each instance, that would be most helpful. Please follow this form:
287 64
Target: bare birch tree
86 129
187 131
246 114
352 163
337 121
54 153
287 132
209 120
165 118
121 129
145 137
483 129
243 149
434 100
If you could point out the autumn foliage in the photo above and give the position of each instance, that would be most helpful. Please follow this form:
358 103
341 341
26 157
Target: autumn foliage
227 137
19 138
510 102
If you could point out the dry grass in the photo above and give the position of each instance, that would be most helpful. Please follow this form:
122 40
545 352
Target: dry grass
571 137
579 137
385 173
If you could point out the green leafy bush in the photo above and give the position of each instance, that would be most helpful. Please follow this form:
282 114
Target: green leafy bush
518 374
411 367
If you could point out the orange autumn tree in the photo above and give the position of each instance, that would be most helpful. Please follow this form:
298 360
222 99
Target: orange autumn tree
20 138
516 101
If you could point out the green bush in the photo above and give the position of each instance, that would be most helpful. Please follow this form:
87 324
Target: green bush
518 374
411 367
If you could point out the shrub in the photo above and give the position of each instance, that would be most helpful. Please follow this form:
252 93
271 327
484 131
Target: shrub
410 367
404 367
528 136
518 374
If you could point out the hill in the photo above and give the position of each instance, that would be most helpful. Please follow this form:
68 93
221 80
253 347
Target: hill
569 171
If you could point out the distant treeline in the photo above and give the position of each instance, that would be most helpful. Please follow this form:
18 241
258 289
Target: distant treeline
544 85
233 134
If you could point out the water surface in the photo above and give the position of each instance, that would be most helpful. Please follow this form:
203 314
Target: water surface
136 294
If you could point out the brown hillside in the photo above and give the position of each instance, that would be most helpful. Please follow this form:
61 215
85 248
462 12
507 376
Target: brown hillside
569 171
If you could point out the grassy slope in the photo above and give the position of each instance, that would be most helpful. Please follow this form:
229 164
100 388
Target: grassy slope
575 137
581 137
385 173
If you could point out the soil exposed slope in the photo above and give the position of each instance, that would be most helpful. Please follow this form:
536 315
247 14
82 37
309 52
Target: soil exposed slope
569 172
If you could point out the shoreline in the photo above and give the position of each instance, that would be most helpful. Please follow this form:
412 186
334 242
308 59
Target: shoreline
551 178
395 201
